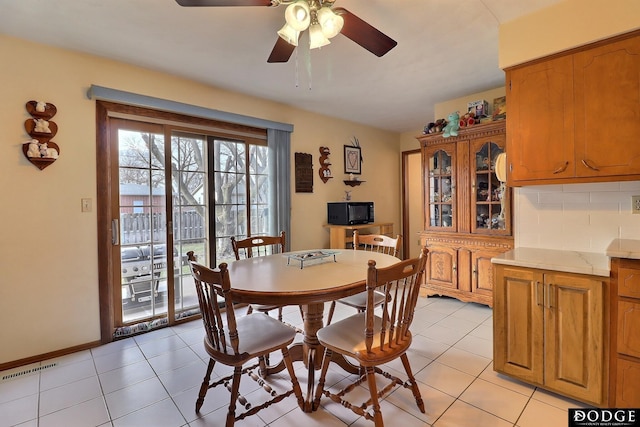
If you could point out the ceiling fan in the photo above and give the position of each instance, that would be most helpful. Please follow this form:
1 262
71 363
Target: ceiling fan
318 16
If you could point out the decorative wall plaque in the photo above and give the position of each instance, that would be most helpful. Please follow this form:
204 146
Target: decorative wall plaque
304 173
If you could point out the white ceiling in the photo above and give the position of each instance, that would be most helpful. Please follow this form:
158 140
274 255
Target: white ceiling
446 49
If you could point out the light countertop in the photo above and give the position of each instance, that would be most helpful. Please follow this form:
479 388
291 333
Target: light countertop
624 248
595 264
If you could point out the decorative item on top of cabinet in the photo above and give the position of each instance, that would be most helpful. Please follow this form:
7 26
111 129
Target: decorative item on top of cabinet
325 171
452 126
40 150
467 212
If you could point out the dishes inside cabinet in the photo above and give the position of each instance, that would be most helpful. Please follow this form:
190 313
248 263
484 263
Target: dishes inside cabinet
43 110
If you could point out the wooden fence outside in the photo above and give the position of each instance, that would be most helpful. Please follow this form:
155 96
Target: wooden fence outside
147 227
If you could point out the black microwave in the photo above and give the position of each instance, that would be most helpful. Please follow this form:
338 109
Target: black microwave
349 213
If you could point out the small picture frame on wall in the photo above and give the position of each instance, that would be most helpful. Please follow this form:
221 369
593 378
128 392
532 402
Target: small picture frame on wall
352 160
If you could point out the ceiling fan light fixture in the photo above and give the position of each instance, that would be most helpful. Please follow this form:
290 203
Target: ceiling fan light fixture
289 34
316 37
298 15
330 22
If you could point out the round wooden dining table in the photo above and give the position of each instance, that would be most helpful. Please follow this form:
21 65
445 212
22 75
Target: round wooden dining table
283 279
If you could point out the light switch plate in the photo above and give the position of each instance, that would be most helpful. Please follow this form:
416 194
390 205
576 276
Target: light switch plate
86 205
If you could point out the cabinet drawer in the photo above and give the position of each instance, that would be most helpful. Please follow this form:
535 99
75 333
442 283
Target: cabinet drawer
627 390
629 328
629 282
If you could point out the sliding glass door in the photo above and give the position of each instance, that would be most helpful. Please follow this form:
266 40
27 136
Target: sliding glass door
174 189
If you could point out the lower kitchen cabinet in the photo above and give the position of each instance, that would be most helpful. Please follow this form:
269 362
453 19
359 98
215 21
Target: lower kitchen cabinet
549 330
625 340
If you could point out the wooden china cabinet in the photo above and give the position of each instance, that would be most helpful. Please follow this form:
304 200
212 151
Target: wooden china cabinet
467 211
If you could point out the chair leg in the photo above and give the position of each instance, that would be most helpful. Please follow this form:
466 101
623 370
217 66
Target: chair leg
249 309
414 384
286 356
323 373
205 385
235 391
373 390
280 313
263 363
331 310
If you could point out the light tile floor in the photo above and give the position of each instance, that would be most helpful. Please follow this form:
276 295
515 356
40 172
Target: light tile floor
153 380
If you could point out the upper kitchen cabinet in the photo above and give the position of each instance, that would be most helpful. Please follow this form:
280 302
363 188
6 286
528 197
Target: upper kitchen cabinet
575 117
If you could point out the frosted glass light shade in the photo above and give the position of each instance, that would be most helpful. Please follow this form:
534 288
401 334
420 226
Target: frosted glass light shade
330 22
317 37
288 34
298 15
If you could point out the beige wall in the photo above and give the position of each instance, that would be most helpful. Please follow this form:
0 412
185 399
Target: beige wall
563 26
48 255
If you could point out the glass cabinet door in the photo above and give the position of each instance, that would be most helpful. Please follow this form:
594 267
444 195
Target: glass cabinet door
440 191
490 197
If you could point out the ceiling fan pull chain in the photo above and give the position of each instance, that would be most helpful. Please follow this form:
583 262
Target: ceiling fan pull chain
309 71
309 68
297 74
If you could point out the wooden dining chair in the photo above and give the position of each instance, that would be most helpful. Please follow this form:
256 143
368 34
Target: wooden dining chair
372 243
259 246
373 340
235 342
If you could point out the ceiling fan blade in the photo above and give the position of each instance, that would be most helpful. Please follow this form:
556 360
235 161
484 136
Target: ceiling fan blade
281 51
364 34
215 3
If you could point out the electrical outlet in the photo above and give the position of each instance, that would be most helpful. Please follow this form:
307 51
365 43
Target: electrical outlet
635 204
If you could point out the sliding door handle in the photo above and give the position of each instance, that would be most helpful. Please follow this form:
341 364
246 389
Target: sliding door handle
115 232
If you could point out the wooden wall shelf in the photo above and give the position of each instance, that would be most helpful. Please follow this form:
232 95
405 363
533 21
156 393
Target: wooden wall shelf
325 171
353 183
44 155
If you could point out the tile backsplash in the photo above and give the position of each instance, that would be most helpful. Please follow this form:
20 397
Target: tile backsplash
581 217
